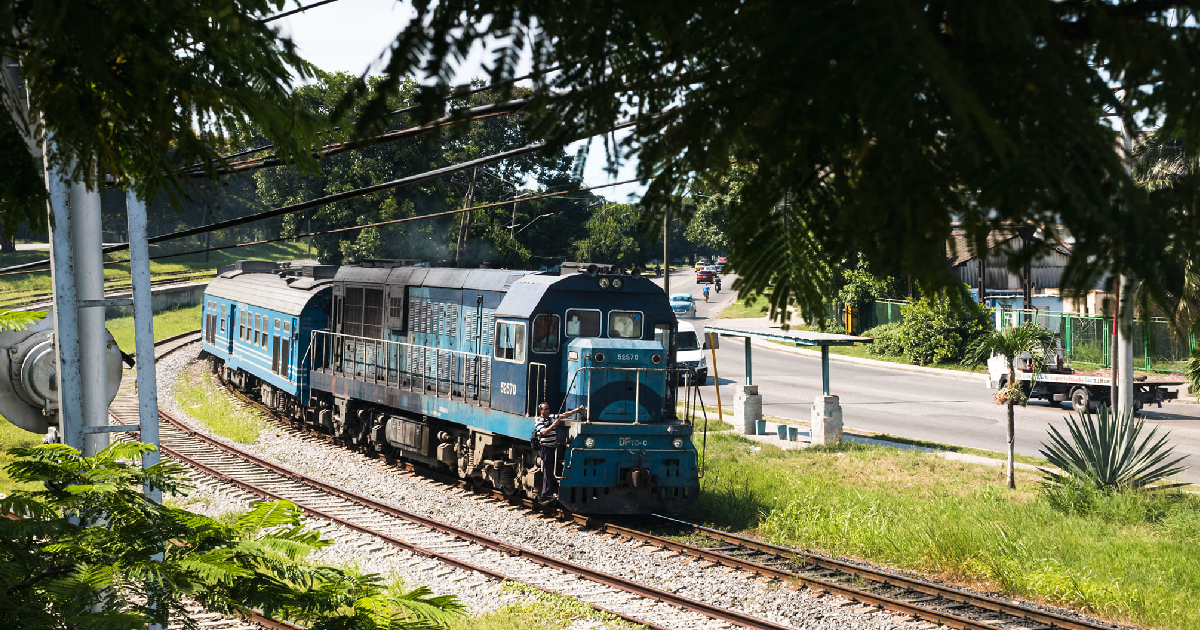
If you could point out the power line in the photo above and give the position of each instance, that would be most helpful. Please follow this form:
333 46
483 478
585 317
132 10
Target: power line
279 16
383 223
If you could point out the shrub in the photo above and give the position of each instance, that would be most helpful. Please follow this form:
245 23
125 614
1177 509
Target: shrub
887 340
1105 453
935 330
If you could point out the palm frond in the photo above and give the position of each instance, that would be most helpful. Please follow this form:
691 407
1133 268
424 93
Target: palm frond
19 320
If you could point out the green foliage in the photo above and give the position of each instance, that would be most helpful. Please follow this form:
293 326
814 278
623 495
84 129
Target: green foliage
1010 343
1107 452
612 237
134 89
938 329
57 573
887 340
1191 371
984 113
19 320
859 286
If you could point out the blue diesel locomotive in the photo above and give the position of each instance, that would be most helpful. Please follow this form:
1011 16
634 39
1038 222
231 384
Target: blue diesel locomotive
446 367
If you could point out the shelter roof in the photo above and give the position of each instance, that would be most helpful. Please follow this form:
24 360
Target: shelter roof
761 328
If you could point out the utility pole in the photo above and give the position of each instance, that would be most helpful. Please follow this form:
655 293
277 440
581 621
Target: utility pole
667 251
1124 316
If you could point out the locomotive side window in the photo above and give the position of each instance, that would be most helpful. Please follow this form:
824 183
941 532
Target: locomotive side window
510 342
581 323
545 333
662 334
625 324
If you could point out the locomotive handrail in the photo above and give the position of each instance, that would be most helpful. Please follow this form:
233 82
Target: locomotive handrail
402 363
637 387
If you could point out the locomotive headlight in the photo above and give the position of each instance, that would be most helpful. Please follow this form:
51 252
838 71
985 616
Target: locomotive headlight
617 283
677 442
603 283
655 359
589 442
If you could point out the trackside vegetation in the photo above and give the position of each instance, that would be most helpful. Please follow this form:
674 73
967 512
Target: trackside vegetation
167 323
198 396
1131 557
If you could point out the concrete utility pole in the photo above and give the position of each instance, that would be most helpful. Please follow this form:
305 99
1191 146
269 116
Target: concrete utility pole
667 251
1124 377
143 325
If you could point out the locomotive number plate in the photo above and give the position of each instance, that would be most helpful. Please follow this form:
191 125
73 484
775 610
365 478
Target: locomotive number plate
508 389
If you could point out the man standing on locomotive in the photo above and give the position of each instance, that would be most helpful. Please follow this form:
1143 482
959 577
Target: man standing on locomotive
546 428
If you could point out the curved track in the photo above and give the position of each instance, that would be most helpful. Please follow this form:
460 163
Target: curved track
871 587
428 538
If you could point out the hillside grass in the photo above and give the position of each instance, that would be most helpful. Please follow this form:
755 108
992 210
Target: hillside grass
201 398
16 285
1132 558
167 323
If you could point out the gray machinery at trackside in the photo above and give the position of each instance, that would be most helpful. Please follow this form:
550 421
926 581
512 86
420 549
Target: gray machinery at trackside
29 377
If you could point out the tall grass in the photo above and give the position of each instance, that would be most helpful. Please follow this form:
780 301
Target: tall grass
197 395
1129 558
167 323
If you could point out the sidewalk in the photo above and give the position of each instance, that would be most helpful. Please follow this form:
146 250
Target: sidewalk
803 436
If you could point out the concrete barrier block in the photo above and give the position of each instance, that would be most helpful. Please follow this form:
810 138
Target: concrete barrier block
747 408
826 420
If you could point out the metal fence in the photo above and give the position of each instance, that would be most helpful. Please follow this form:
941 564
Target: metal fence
1086 339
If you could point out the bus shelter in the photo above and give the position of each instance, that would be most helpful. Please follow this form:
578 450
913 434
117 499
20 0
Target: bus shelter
826 412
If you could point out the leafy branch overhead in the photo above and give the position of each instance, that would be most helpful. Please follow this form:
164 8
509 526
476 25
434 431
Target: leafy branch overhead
55 573
873 124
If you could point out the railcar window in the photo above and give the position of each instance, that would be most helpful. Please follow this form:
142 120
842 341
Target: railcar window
510 342
625 324
242 325
287 327
222 318
266 324
257 325
545 333
276 323
581 323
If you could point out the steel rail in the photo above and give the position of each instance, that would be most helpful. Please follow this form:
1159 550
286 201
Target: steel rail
1050 619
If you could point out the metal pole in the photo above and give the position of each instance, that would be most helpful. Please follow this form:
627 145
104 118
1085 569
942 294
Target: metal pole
667 251
712 348
87 239
66 317
749 379
143 325
1125 349
825 370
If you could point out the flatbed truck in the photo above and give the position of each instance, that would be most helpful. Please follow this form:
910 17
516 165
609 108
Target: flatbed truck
1085 391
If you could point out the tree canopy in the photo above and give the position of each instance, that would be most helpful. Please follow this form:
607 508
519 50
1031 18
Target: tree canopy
874 125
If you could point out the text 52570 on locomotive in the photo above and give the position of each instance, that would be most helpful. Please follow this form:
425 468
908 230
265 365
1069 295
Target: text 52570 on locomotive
446 367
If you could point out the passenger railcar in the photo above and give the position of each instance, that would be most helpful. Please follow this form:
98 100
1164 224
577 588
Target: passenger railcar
446 367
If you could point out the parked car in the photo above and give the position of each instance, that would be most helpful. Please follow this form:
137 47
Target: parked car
705 276
689 353
683 304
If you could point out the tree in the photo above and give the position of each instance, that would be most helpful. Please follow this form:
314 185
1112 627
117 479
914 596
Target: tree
56 571
612 237
132 90
874 124
1011 343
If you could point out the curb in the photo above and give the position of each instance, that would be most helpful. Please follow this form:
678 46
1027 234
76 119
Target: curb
901 367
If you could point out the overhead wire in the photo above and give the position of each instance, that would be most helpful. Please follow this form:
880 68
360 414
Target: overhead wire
318 202
279 16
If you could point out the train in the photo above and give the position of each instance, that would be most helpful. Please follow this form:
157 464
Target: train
445 367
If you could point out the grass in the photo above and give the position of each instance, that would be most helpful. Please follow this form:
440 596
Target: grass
538 611
202 399
1128 558
16 285
167 323
966 450
752 306
715 423
12 436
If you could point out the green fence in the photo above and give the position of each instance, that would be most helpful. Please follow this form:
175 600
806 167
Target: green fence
1086 339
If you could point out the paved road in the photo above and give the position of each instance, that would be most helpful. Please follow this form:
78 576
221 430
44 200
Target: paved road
922 406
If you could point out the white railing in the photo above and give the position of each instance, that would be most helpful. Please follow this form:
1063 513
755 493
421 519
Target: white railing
434 371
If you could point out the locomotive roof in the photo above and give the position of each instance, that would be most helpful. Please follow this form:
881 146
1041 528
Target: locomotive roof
525 294
441 277
267 290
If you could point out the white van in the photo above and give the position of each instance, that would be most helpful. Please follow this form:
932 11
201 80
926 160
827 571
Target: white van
689 352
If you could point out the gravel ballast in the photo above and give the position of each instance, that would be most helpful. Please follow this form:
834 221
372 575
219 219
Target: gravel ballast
716 585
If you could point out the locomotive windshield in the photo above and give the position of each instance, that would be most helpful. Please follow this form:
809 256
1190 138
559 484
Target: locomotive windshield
687 341
545 333
625 325
581 323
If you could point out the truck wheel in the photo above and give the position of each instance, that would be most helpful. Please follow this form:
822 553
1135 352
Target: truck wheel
1081 400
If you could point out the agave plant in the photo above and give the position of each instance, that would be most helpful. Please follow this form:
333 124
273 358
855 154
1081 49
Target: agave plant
1107 451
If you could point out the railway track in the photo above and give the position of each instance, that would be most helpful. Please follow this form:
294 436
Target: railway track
869 586
337 511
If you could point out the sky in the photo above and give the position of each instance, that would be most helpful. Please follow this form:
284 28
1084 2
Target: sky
354 35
